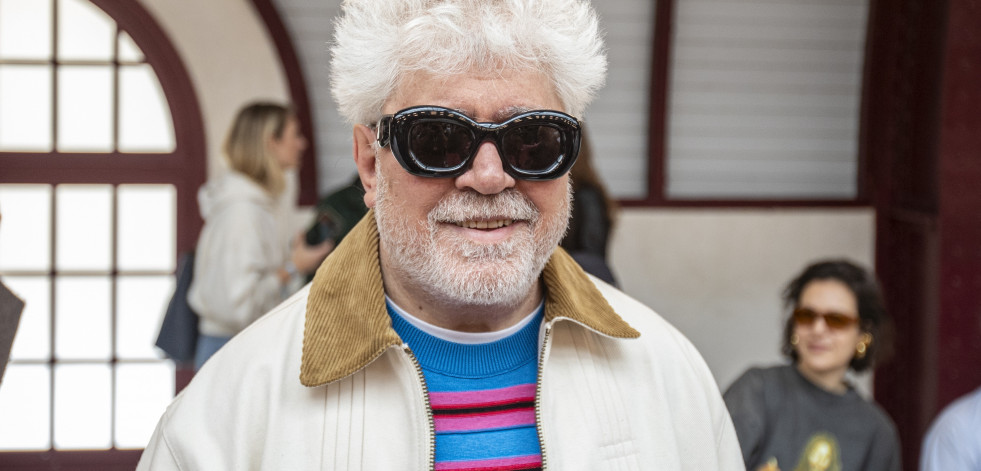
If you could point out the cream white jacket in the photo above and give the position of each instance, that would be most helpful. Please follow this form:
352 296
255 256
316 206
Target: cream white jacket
245 240
323 382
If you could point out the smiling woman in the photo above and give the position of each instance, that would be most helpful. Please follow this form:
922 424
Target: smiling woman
806 415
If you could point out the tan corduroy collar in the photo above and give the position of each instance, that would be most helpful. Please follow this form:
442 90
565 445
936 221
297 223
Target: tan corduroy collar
347 326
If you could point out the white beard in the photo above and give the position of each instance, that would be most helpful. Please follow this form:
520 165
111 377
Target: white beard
456 270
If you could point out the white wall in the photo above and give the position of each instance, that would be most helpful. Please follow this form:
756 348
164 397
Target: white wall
717 275
229 55
310 23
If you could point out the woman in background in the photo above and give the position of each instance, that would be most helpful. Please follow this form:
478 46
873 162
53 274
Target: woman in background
593 214
244 262
806 415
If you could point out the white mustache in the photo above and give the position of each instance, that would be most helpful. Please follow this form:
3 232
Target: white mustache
470 205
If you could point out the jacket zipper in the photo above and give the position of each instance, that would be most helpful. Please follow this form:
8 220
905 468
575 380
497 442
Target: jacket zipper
538 393
429 408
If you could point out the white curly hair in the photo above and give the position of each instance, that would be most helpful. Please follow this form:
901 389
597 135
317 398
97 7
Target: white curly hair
378 43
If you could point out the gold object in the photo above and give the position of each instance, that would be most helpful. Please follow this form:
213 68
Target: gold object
771 465
863 345
794 339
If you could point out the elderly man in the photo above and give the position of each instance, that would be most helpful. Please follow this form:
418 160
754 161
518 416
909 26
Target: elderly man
447 331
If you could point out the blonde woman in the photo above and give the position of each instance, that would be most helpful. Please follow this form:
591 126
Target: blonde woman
247 259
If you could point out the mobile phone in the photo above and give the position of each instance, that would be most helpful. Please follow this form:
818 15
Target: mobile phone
321 230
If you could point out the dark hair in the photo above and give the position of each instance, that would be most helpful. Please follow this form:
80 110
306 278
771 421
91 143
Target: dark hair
871 309
584 175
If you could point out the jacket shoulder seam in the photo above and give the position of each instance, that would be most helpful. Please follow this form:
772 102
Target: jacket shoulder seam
170 449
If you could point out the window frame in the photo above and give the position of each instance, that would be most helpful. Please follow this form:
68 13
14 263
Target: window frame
185 168
656 197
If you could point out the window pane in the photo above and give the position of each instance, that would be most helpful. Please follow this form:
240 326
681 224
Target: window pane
33 338
84 222
140 304
82 318
25 29
144 117
84 31
767 106
85 105
25 241
142 395
25 405
128 50
82 406
147 225
25 108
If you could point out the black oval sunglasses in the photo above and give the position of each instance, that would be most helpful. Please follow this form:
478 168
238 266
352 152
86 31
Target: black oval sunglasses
432 141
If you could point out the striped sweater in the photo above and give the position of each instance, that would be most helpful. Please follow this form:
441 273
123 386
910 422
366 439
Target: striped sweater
482 396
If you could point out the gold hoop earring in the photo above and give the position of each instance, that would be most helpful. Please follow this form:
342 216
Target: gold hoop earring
794 339
863 345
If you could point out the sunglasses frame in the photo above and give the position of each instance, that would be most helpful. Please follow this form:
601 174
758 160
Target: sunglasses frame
840 322
394 129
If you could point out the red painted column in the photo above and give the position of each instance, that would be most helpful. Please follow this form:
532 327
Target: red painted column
922 138
958 359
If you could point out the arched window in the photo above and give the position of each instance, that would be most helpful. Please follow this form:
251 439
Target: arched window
101 152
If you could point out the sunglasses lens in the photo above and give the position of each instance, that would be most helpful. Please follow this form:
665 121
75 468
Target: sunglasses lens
534 148
833 320
804 316
837 321
439 145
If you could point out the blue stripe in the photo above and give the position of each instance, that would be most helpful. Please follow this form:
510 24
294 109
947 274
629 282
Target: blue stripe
522 374
476 360
485 445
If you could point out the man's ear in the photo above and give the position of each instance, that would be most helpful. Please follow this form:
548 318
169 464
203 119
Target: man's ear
365 159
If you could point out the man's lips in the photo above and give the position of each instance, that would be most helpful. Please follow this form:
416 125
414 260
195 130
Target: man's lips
485 224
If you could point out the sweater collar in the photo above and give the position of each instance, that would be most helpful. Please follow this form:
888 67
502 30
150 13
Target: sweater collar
347 325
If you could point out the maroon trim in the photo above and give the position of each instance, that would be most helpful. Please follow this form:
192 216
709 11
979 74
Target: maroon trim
873 63
660 80
920 129
96 460
959 327
298 95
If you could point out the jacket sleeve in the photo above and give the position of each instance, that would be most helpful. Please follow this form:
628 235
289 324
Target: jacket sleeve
235 279
158 456
747 407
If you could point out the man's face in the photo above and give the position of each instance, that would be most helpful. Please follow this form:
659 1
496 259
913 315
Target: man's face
481 238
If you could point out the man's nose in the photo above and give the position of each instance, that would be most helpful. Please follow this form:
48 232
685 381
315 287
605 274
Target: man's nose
486 175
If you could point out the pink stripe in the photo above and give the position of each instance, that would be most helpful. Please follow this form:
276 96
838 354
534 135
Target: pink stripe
498 463
475 398
485 421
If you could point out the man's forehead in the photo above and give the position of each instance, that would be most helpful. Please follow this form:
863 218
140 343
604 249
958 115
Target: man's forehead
498 116
481 96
